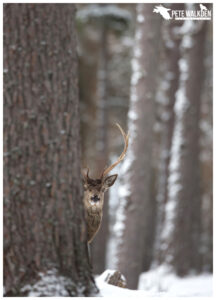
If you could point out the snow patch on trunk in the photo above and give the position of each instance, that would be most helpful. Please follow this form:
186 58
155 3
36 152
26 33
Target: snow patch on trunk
52 284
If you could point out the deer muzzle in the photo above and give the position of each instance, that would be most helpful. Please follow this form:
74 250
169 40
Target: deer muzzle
95 198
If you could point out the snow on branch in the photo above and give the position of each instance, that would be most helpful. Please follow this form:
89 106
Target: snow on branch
111 12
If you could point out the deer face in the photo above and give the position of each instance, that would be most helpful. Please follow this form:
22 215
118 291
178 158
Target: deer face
94 190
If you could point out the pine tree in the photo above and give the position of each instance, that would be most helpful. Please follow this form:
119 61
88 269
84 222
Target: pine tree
44 228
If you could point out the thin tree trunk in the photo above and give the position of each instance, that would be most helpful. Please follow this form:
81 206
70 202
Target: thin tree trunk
136 177
207 156
168 91
181 234
44 228
100 242
187 235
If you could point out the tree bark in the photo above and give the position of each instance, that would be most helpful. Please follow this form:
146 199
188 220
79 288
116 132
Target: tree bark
206 155
44 227
99 244
188 223
136 175
181 234
169 86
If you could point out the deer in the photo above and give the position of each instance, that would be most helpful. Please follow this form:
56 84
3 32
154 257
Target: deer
94 190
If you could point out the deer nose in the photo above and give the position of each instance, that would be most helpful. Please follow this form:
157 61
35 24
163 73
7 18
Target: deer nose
95 198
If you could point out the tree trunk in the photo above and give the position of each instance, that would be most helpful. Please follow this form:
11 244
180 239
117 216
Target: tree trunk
206 155
100 242
136 170
166 99
181 234
187 234
44 228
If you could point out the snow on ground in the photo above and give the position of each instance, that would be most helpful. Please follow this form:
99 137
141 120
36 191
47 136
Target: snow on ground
108 290
168 284
158 283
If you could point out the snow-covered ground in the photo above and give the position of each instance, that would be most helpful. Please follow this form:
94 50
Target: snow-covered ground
168 284
159 283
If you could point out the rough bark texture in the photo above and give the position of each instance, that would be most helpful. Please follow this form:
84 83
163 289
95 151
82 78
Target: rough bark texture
43 212
141 121
187 235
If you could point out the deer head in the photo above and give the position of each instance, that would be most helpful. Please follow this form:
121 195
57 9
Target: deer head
94 190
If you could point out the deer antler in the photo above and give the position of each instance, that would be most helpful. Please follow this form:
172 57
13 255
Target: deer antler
121 157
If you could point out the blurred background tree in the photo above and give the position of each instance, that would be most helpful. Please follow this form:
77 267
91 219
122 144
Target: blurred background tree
139 217
165 101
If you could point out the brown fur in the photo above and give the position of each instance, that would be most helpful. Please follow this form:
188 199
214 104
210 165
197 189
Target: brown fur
93 224
94 210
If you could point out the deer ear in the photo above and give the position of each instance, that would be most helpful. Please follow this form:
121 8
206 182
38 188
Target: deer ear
85 185
109 181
